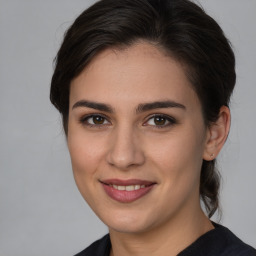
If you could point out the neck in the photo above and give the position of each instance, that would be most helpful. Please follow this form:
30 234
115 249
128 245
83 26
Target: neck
168 239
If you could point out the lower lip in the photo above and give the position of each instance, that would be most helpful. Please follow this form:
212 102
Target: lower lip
124 196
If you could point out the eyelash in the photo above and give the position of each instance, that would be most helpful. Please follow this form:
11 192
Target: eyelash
171 121
84 120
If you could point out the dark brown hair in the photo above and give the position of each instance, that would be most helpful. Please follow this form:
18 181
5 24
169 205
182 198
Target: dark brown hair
180 28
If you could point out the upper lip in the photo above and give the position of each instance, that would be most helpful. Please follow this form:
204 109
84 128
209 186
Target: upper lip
129 182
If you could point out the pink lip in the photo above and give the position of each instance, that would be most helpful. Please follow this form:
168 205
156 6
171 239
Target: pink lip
124 196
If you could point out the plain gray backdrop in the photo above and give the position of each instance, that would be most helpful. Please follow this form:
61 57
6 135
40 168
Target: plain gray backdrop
41 210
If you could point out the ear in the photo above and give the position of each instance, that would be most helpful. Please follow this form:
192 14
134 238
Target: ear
217 134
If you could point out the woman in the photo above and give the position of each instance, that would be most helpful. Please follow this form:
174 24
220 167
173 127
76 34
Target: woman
143 87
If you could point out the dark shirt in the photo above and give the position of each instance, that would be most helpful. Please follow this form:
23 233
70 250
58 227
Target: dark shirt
217 242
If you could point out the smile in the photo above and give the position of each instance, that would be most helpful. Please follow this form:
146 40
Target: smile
128 188
127 191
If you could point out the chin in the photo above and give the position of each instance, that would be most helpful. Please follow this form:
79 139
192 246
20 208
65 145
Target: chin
128 228
126 223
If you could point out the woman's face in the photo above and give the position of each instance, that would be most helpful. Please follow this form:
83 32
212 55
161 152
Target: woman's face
136 137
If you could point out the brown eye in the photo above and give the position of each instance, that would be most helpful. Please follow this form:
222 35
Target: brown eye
159 120
94 120
98 120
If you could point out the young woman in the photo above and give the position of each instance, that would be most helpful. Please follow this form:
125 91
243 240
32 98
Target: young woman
143 87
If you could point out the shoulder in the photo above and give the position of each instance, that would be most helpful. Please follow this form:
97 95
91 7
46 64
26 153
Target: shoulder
219 241
230 244
100 247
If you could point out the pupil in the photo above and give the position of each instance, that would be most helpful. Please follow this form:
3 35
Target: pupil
159 120
98 120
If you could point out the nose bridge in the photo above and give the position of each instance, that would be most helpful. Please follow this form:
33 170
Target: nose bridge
125 149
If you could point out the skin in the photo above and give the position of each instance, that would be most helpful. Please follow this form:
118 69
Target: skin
130 144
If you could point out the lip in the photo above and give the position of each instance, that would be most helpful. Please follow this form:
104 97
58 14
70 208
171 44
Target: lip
127 182
124 196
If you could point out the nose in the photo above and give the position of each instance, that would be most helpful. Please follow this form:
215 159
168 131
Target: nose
125 150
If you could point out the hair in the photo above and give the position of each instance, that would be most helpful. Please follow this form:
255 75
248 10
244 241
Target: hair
180 28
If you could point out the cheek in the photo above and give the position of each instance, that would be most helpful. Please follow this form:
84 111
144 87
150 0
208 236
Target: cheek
178 156
179 165
177 148
86 154
85 151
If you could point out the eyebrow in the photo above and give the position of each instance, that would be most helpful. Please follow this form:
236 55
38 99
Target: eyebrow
141 107
159 104
95 105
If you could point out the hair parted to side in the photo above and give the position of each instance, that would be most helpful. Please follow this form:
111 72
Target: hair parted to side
181 29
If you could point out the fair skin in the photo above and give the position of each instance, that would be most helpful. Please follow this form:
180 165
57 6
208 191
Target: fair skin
134 117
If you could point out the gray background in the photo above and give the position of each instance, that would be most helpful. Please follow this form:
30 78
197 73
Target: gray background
41 211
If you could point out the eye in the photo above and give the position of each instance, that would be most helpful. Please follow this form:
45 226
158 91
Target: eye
94 120
160 121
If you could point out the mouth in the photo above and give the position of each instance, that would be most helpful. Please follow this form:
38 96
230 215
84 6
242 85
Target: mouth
128 188
127 191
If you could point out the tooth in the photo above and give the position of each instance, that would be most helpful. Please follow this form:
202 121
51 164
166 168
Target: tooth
129 188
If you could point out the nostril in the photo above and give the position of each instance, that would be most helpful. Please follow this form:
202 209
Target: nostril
125 159
125 150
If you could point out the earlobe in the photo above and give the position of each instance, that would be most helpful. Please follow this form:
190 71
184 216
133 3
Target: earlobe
217 134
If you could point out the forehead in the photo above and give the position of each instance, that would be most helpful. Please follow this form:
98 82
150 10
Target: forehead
140 72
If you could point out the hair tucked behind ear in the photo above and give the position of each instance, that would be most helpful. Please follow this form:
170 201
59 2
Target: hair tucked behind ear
180 28
209 186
